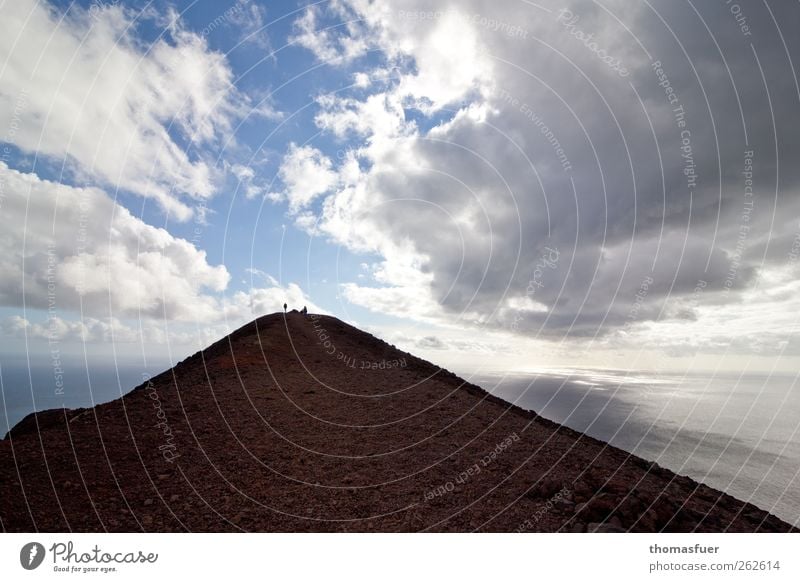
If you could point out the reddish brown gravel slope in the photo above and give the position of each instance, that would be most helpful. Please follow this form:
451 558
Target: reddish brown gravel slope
277 428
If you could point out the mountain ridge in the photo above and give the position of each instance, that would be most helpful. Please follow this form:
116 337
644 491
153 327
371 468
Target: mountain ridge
306 423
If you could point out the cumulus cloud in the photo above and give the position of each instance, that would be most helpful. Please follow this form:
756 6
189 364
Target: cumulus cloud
87 330
488 148
232 313
307 173
84 89
93 253
115 111
68 249
451 45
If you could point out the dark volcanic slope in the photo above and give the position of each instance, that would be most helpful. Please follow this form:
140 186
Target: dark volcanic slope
277 428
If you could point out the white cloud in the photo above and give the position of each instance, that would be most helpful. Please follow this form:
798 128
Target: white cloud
450 58
266 276
243 173
67 249
88 330
94 253
95 97
307 173
525 303
231 313
361 80
244 306
327 43
405 302
246 176
380 114
471 205
451 62
249 16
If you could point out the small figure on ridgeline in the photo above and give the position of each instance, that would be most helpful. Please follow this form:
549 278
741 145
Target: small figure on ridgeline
284 308
305 311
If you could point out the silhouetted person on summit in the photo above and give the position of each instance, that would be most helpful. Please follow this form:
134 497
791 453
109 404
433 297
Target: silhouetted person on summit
284 308
305 311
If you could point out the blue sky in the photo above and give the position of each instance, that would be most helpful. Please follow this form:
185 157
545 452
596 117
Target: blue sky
255 237
187 166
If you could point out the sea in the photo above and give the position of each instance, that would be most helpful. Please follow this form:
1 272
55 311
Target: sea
739 433
41 386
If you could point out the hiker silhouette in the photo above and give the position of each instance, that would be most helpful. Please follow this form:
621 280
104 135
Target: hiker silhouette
284 308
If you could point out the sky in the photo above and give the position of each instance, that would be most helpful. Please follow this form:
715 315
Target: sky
508 186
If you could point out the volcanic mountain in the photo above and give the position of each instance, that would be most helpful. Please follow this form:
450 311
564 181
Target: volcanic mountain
305 423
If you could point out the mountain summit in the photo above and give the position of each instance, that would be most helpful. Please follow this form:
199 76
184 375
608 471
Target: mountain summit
305 423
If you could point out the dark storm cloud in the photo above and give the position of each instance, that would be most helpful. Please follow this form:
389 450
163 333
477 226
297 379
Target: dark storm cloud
678 174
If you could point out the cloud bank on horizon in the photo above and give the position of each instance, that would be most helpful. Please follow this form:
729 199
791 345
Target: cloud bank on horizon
591 176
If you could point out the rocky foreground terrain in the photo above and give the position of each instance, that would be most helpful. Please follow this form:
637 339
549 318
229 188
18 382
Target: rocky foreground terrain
297 423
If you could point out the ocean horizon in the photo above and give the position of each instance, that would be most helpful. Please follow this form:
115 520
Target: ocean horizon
24 389
735 432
